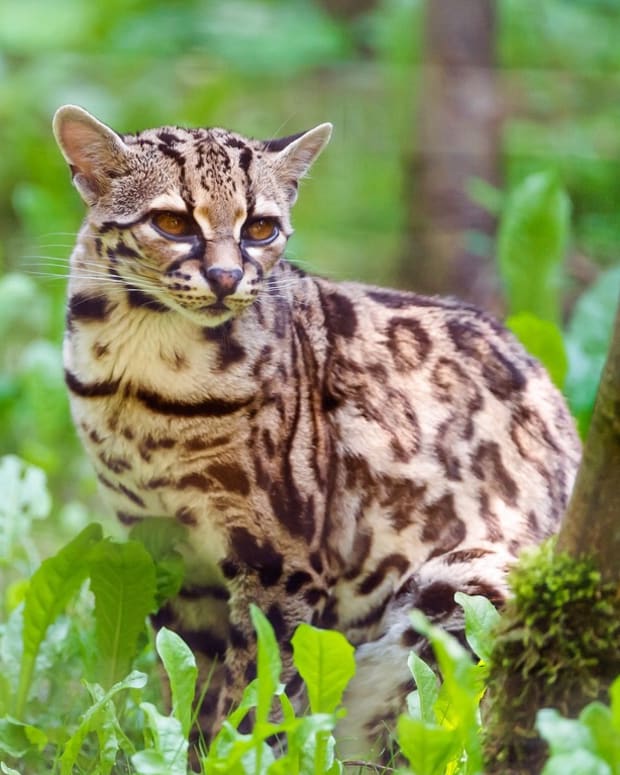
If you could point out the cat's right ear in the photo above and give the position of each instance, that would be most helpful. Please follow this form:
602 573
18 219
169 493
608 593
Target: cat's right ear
91 149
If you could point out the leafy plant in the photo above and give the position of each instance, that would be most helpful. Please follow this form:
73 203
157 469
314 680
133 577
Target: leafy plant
587 745
441 733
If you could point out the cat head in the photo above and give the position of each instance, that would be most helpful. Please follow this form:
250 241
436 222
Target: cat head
195 218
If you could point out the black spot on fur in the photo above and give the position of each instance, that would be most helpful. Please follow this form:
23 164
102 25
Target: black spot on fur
260 556
88 308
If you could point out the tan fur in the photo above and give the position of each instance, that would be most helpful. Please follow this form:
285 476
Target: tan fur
339 453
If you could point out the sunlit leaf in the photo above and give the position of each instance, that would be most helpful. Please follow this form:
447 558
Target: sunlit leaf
326 662
427 690
168 755
268 663
542 339
532 240
180 665
481 618
51 587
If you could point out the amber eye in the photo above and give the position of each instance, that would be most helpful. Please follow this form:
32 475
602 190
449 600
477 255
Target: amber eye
172 224
261 230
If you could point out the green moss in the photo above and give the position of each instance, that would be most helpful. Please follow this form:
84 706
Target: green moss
558 645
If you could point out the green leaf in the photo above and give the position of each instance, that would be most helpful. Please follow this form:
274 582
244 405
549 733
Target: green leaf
168 756
563 735
587 340
180 665
160 537
614 694
326 662
16 739
542 339
123 581
427 685
532 240
481 619
51 587
598 719
268 663
429 748
91 718
577 762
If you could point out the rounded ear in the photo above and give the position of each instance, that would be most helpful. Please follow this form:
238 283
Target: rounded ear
93 151
296 154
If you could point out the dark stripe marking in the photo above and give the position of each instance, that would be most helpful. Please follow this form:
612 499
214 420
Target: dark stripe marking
212 407
90 389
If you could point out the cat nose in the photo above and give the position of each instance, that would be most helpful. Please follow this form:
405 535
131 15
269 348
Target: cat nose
223 282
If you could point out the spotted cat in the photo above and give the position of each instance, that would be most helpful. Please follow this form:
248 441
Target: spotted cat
339 453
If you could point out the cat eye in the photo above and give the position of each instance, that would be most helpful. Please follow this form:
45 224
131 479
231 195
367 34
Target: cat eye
173 224
261 230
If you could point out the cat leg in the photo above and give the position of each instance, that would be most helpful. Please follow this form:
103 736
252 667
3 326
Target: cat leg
377 694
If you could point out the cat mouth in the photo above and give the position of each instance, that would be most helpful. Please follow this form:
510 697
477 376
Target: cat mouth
216 308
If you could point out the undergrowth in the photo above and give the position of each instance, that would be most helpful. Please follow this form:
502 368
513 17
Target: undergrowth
80 690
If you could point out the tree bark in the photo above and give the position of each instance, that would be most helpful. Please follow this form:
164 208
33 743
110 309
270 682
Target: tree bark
591 525
458 139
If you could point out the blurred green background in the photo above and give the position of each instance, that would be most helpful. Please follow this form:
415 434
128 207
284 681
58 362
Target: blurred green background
273 67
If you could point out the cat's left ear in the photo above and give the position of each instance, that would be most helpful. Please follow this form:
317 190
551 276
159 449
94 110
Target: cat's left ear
295 154
93 151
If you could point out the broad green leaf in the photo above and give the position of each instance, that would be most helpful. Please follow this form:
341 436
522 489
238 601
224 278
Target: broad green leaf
599 721
481 618
90 719
160 537
180 665
122 579
542 339
326 662
168 756
51 587
16 739
427 687
577 762
268 663
587 340
532 240
563 735
428 747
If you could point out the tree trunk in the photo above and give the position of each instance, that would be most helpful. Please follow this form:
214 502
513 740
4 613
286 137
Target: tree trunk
458 139
591 525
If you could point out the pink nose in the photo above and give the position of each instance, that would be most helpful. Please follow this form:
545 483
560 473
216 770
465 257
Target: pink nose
223 282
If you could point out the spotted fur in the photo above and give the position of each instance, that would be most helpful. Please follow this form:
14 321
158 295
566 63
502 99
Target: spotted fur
339 453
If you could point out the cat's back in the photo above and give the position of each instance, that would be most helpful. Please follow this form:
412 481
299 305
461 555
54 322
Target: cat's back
436 392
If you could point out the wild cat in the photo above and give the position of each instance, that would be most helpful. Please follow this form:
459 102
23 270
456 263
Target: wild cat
339 453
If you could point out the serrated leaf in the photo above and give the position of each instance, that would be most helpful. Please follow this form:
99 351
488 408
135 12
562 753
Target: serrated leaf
427 685
90 719
532 240
268 663
326 662
51 587
542 339
169 753
481 618
180 666
122 579
429 748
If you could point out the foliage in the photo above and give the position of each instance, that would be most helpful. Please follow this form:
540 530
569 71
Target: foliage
588 744
557 641
441 733
533 235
